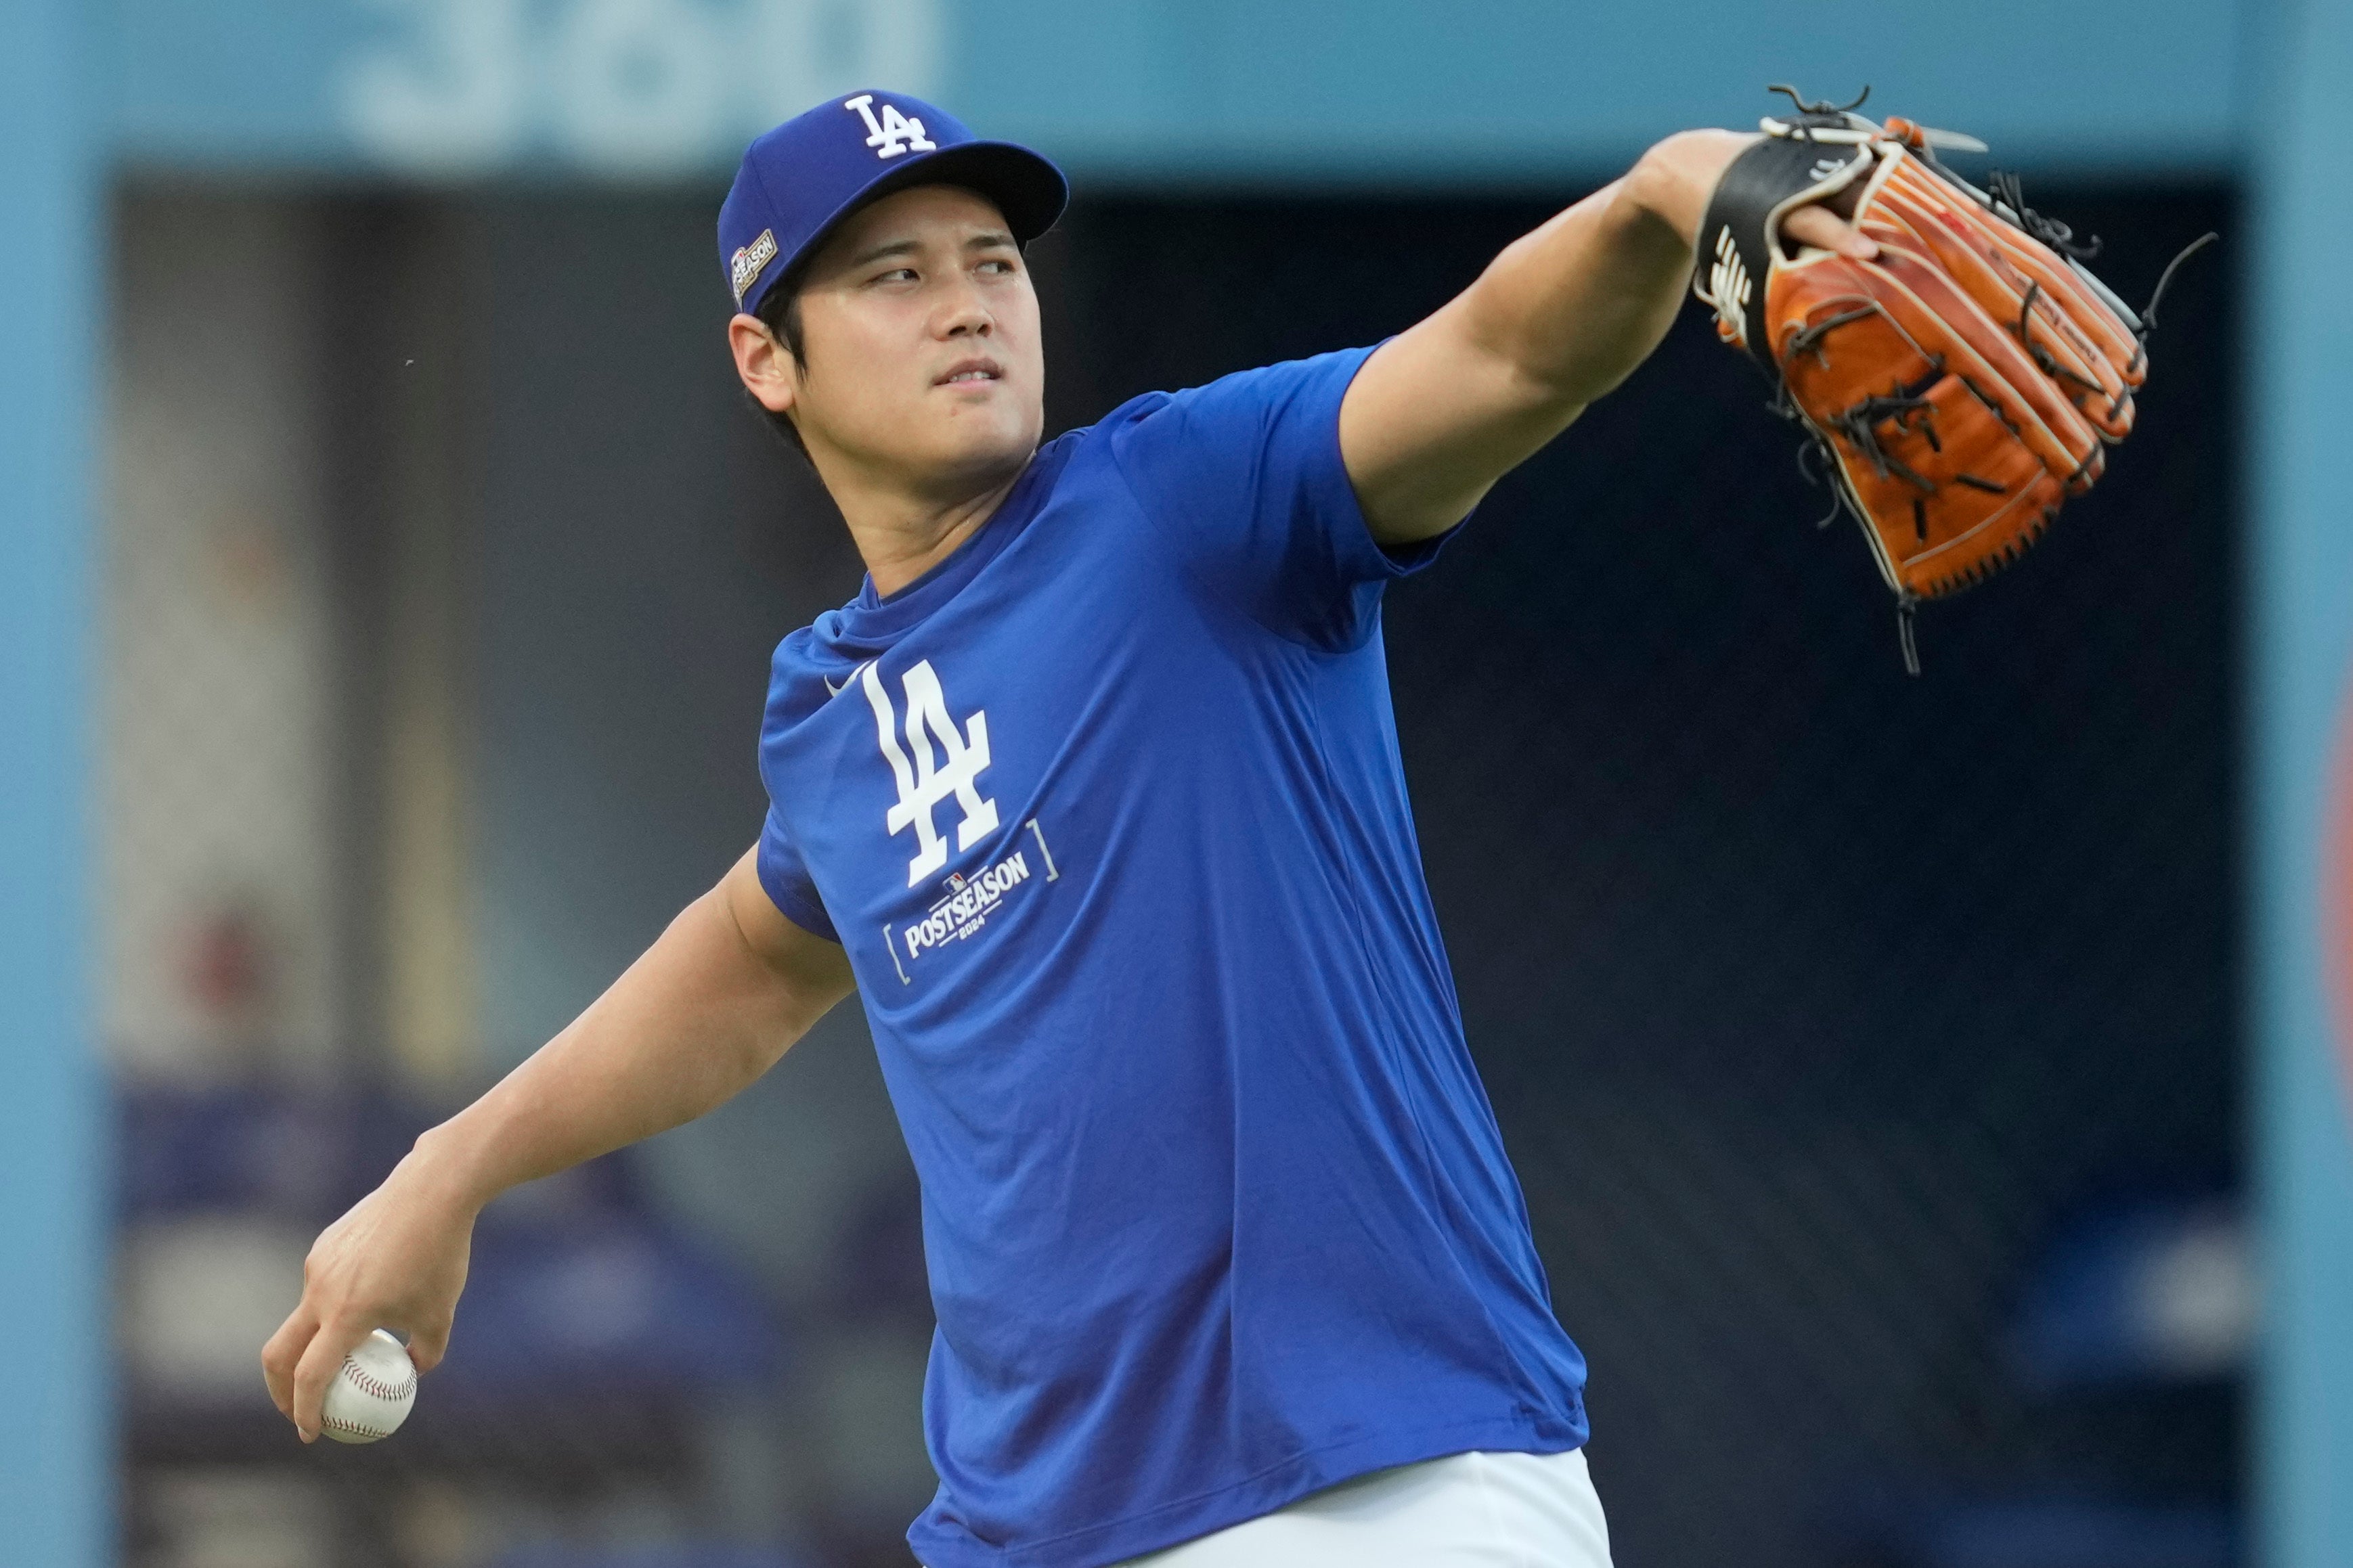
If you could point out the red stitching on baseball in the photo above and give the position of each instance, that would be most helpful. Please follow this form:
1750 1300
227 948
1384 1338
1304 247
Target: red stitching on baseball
367 1382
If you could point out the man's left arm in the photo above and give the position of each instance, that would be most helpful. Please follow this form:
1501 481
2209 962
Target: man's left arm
1445 409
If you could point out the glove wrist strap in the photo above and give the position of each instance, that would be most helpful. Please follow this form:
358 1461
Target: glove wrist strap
1743 224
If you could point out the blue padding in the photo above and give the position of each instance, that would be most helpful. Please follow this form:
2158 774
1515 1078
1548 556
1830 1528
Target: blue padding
2080 1535
562 1554
603 1305
2156 1291
238 1149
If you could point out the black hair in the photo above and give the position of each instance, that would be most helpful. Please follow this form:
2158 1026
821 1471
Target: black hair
780 313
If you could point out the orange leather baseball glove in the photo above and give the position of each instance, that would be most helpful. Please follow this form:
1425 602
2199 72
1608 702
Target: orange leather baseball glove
1959 388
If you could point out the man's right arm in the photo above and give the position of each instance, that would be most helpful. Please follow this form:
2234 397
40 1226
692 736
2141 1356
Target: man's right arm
708 1008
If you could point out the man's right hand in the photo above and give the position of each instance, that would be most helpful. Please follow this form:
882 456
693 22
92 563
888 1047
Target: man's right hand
396 1261
725 991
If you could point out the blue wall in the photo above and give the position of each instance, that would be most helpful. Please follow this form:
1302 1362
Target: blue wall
55 1453
1151 90
2301 612
1513 91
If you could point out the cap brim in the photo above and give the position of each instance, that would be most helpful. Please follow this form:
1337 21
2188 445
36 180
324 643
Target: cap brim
1026 188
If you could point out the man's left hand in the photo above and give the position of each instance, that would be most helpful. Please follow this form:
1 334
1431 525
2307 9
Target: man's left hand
1676 178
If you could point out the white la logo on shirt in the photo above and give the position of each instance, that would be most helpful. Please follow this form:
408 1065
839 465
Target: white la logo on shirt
893 133
926 782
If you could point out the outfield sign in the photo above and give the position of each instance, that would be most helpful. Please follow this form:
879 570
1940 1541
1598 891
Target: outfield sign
1518 90
625 87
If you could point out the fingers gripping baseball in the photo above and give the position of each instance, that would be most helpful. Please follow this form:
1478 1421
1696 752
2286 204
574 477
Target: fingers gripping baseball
321 1360
283 1354
396 1261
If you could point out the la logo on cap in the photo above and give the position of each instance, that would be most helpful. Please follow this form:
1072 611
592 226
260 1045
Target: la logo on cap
892 135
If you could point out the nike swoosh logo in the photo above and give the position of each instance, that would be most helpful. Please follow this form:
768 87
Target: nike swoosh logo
833 690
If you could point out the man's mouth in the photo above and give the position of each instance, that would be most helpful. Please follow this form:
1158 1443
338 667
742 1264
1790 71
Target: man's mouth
971 369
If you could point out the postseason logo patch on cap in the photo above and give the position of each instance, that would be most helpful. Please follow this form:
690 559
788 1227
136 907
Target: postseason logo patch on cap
744 270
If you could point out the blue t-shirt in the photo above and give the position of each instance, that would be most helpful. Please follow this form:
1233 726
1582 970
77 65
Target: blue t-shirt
1107 811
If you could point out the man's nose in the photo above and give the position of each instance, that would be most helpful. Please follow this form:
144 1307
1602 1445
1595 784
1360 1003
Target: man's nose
965 314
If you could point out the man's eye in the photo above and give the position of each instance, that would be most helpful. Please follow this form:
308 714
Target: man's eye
895 274
999 265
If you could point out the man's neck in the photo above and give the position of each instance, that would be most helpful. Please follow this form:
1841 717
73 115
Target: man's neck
903 533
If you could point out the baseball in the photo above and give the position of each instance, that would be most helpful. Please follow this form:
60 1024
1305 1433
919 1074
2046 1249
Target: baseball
370 1395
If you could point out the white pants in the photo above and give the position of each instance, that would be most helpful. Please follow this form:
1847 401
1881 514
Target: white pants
1468 1511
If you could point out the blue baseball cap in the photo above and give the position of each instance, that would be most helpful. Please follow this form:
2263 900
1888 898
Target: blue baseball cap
799 181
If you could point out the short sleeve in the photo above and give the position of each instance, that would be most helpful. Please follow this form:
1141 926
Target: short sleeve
787 880
1245 474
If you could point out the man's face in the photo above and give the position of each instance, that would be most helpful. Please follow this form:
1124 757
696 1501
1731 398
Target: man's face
921 331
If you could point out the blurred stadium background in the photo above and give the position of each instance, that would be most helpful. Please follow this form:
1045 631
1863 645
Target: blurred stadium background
1924 1088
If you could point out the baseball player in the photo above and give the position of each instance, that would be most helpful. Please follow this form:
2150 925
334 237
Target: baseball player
1092 794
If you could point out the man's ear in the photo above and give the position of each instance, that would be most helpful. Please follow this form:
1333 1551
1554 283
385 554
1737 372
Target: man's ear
765 364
